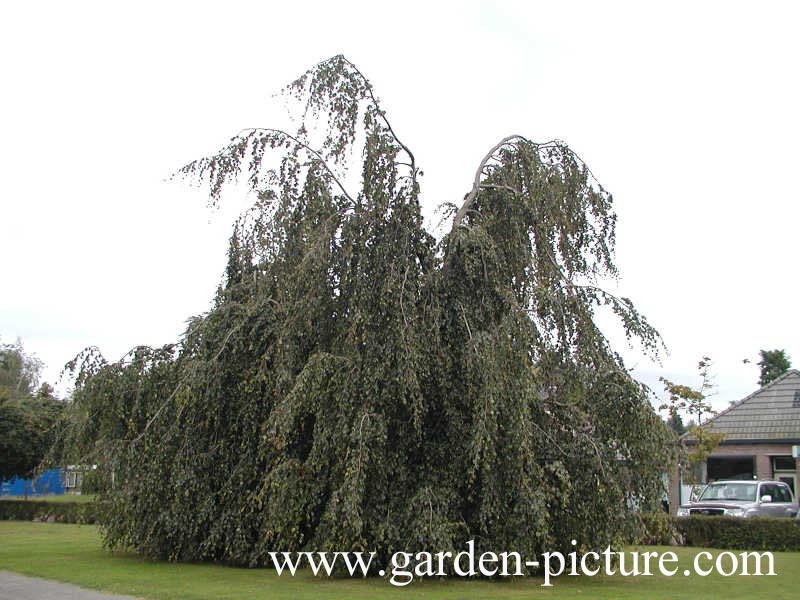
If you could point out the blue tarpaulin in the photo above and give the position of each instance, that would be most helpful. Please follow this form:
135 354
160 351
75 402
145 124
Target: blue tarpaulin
48 483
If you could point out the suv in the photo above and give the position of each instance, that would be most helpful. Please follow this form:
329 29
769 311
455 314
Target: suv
743 499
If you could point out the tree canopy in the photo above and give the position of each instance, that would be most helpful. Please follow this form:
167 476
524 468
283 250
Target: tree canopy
19 370
28 413
773 364
359 384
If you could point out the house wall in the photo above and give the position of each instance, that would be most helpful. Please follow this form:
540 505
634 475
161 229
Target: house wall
762 452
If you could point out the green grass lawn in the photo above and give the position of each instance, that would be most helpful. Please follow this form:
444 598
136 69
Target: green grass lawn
73 553
83 498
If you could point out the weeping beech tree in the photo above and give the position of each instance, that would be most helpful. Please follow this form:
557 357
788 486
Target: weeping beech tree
359 385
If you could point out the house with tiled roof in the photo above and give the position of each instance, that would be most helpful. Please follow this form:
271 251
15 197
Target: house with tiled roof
760 433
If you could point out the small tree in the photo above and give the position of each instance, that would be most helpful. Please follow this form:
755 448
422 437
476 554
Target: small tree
683 398
773 364
694 402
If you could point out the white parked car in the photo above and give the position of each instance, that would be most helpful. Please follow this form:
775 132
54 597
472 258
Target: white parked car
743 499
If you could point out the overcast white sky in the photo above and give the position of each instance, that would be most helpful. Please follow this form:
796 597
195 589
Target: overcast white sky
686 112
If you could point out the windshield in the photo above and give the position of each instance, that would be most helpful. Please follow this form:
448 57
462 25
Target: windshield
730 491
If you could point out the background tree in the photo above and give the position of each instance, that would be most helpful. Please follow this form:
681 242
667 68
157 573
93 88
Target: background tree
27 414
358 384
675 422
19 371
773 364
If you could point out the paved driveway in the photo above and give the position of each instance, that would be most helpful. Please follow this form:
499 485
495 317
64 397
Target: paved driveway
18 587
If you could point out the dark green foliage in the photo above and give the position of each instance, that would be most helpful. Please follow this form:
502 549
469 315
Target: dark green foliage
773 364
58 512
27 414
359 385
676 423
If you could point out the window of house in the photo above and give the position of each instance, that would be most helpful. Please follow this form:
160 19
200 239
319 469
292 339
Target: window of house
783 463
730 467
72 479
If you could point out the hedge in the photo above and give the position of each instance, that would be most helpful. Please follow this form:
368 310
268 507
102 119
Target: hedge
53 512
761 533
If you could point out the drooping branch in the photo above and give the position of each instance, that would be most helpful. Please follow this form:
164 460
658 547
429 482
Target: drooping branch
476 184
363 91
382 115
225 164
552 195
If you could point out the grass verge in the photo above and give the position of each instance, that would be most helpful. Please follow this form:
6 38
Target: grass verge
73 553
